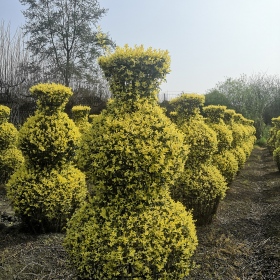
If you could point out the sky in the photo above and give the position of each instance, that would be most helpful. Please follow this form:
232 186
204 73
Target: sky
208 40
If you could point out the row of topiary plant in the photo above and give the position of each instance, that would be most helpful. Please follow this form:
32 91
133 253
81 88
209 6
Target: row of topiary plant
130 215
220 141
273 142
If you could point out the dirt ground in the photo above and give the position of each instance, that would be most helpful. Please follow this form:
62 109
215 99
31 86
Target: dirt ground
243 242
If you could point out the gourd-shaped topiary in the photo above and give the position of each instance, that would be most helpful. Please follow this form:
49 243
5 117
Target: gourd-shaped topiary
48 188
131 228
201 186
11 157
223 159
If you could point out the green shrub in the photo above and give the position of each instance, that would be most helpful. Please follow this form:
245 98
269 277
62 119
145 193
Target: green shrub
200 189
227 163
45 200
276 157
47 189
271 142
224 159
80 114
201 186
238 135
49 140
154 240
141 148
135 73
11 157
131 228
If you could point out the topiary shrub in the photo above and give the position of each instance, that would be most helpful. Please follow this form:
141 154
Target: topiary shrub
131 228
238 136
271 141
276 157
201 190
48 188
81 117
11 157
249 132
224 160
201 186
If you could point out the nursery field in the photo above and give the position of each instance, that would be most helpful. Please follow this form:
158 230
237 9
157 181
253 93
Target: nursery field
243 242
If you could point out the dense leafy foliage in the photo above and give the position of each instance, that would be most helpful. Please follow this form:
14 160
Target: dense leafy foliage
135 73
80 116
201 186
223 159
10 156
274 140
131 228
48 188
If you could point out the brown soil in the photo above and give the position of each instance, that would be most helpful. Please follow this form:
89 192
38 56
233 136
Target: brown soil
243 242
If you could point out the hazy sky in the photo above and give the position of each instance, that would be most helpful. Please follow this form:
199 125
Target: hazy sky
208 40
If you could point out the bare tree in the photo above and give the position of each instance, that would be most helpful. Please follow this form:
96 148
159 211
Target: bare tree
12 58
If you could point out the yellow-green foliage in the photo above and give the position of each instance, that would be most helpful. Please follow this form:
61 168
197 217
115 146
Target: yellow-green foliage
198 135
135 73
8 135
45 200
4 113
201 186
10 156
131 228
81 117
214 113
80 113
240 155
186 106
227 163
50 97
238 135
224 136
271 141
47 189
151 241
202 140
49 140
276 157
137 153
248 130
223 159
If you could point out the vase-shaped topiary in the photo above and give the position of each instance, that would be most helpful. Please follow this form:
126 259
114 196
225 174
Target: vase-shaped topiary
48 188
131 228
201 186
11 157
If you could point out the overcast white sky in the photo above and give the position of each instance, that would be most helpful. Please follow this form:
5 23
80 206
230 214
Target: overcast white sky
208 40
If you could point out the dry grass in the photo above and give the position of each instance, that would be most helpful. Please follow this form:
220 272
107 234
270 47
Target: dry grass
243 242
